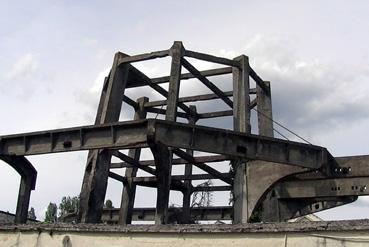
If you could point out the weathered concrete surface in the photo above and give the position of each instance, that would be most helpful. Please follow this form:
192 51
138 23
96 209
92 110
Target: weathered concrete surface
6 217
336 233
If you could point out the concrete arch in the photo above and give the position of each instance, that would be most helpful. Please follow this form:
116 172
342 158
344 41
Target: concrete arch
28 182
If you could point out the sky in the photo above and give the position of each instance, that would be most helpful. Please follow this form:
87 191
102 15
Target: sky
55 54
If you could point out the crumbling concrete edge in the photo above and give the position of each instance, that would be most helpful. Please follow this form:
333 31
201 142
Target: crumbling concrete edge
346 225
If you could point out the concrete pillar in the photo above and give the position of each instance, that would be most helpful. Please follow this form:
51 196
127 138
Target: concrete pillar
241 122
265 113
28 183
98 162
176 53
129 189
162 155
23 200
163 162
186 205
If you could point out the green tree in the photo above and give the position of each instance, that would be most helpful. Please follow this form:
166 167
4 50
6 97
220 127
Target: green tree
202 198
31 214
51 213
108 204
68 205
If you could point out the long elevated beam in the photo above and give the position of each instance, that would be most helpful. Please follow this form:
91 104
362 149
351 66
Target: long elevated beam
136 82
242 145
211 58
348 167
133 134
143 57
328 187
202 97
176 161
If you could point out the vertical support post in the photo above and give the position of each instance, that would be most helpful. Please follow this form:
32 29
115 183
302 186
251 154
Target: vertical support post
176 51
162 155
129 189
270 204
28 176
241 122
23 200
163 161
97 169
265 114
186 205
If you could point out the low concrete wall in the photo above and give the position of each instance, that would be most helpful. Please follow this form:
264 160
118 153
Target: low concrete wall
339 233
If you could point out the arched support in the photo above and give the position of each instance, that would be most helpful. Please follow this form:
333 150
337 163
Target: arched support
294 198
28 182
261 176
264 175
286 209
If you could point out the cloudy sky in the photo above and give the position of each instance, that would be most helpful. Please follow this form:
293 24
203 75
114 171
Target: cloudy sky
55 54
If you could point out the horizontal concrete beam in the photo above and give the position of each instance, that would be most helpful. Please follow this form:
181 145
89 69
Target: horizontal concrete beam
136 82
135 134
348 167
175 161
241 145
328 187
119 136
143 57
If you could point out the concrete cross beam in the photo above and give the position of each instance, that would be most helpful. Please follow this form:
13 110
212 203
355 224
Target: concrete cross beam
134 134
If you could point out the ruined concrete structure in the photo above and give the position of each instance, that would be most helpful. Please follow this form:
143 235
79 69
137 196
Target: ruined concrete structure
288 179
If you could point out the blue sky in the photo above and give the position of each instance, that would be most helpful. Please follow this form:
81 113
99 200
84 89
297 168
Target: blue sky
54 55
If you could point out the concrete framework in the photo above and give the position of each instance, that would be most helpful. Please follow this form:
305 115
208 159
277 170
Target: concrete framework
288 179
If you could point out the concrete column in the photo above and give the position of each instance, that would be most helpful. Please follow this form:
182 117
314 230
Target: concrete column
174 81
241 122
163 162
129 189
186 205
162 155
98 162
28 176
265 113
23 200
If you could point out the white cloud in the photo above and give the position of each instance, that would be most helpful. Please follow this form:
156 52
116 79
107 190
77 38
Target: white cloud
24 67
90 42
309 93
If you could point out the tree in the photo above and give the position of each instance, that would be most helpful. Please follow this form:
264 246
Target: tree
68 205
108 204
51 213
31 214
202 198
